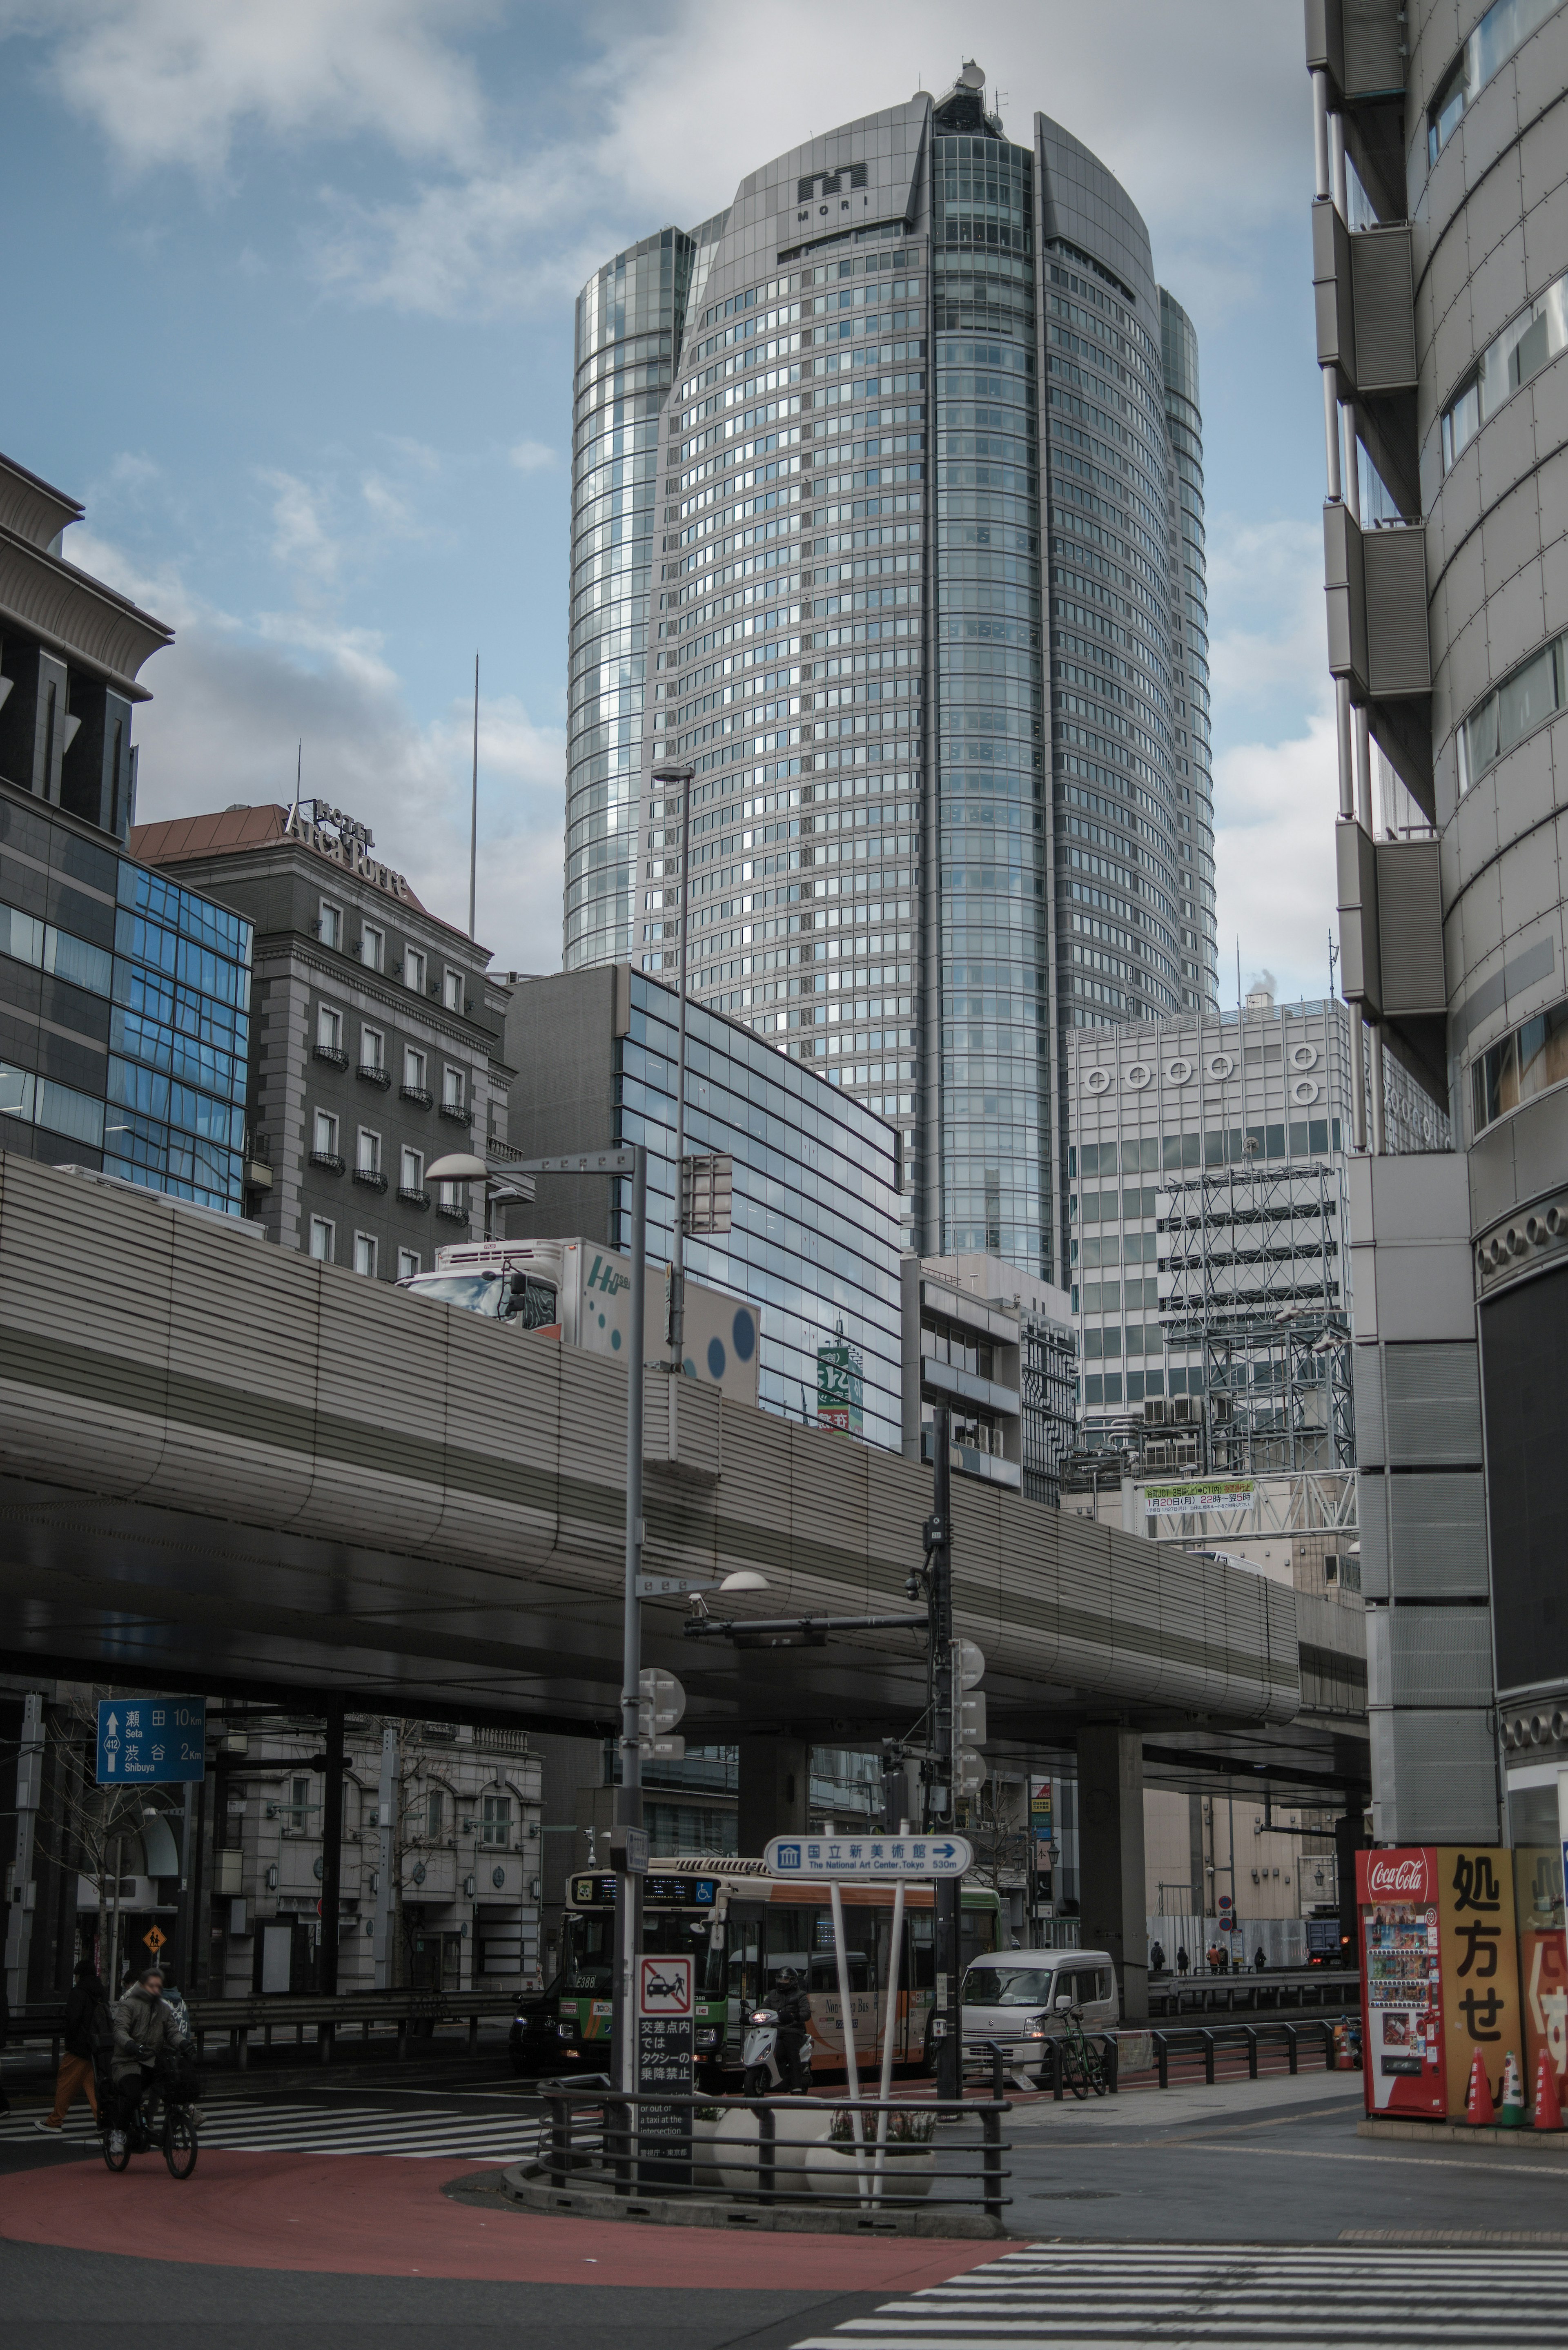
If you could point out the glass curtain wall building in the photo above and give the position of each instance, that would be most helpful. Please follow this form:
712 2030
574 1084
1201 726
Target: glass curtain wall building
855 461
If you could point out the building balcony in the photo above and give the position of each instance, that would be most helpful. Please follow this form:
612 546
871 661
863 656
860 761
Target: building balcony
371 1176
332 1055
414 1199
375 1075
459 1113
331 1163
420 1095
454 1214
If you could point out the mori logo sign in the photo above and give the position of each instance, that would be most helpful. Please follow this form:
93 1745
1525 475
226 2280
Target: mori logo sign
1396 1876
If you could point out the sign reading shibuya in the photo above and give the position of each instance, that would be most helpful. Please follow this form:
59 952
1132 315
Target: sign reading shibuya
1196 1496
160 1740
867 1855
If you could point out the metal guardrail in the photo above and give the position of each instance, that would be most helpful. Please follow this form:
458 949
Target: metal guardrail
1208 1994
1203 2044
592 2139
268 2011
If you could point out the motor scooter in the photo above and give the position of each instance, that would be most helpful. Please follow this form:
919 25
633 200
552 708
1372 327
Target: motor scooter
762 2072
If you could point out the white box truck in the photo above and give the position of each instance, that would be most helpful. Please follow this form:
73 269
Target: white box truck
581 1294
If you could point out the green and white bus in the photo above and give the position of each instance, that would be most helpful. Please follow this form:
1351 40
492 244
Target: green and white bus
742 1927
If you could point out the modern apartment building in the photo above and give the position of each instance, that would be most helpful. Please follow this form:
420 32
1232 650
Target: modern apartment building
375 1047
888 518
1441 256
995 1346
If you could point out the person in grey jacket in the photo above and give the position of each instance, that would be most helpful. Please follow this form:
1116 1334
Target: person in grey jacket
144 2029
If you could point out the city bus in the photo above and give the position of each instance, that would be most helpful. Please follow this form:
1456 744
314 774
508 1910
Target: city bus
742 1927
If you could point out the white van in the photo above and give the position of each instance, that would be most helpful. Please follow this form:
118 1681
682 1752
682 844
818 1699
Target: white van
1012 1996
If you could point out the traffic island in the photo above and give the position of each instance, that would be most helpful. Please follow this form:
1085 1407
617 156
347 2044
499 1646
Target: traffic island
529 2186
1462 2133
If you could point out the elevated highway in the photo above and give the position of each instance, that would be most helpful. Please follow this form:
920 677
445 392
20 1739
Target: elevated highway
226 1467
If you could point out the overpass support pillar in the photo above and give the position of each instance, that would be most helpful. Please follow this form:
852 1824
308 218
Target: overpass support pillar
775 1785
1110 1856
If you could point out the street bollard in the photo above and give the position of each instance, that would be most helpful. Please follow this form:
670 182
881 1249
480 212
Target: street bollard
767 2151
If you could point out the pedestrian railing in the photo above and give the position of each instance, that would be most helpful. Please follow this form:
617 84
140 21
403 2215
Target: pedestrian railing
1194 2051
881 2153
1206 1993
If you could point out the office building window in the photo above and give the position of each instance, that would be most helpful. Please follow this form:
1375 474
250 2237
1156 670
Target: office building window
435 1813
329 1028
367 1155
299 1807
452 1089
452 993
324 1144
323 1238
365 1253
372 947
414 1070
408 1263
496 1820
372 1049
413 1177
329 924
414 970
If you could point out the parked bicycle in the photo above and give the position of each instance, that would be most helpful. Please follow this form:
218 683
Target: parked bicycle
162 2121
1082 2069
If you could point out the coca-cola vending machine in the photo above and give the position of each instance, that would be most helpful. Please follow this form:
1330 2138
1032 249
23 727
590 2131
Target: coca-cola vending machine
1401 1982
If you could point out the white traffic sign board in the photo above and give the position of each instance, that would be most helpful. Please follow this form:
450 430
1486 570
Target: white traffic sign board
867 1855
664 1986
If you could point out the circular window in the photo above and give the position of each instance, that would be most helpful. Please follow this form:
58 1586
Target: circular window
1220 1064
1304 1057
1179 1072
1138 1075
1304 1091
498 1877
1098 1081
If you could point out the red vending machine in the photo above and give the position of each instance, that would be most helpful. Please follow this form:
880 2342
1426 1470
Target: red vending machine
1401 1982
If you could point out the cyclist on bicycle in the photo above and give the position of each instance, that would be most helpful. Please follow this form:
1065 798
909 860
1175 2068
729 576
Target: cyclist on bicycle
144 2032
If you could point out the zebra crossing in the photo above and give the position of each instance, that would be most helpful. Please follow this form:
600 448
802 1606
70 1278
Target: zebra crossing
271 2126
1240 2297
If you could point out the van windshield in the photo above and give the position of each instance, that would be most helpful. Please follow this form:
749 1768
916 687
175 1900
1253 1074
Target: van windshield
1006 1987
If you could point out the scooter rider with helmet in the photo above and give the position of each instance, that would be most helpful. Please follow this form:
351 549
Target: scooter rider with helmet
791 2005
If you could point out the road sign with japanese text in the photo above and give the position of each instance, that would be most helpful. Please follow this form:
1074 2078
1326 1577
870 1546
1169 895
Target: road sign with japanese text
151 1741
889 1857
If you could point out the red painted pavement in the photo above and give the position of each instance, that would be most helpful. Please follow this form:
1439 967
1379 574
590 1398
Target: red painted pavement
362 2215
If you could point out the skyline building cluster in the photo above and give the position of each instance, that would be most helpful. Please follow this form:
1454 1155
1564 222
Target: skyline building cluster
888 517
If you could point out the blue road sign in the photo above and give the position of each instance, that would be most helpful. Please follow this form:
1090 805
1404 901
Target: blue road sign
867 1855
151 1741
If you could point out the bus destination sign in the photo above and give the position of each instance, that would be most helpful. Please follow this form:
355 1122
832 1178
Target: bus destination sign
596 1890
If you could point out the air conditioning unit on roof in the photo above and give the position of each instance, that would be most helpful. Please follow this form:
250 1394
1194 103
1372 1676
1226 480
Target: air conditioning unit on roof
1153 1412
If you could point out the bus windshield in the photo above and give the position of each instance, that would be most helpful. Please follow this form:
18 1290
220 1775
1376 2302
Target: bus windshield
587 1969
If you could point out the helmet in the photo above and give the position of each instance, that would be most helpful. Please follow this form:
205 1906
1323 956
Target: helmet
787 1978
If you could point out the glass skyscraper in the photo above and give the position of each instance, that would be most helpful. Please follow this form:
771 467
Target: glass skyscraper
888 515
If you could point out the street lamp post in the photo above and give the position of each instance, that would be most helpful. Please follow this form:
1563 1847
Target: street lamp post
629 1851
675 1334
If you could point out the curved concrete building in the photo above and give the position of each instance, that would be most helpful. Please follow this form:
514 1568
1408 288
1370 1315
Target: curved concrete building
1440 245
889 517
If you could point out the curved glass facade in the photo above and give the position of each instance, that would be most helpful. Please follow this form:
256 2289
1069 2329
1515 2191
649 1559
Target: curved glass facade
996 1027
892 878
629 319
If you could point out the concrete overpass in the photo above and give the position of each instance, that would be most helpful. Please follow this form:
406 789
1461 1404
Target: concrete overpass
225 1466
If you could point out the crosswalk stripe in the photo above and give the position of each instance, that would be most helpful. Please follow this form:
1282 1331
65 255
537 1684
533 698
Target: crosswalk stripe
1099 2296
256 2127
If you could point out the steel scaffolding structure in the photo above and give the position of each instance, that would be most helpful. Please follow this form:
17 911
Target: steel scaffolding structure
1252 1270
1048 1397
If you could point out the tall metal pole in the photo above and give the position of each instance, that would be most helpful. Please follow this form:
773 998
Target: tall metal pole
949 1890
675 1331
473 808
331 1849
628 1797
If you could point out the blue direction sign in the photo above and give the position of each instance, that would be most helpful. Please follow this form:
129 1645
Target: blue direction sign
151 1741
867 1855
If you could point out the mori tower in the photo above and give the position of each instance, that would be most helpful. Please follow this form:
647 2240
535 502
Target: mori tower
888 517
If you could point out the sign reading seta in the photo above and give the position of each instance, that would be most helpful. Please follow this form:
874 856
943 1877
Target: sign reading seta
151 1741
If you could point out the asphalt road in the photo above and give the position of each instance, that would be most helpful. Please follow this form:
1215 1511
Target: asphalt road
275 2241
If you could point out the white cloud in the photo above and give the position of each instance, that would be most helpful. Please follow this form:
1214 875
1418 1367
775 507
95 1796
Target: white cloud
1274 809
177 81
531 456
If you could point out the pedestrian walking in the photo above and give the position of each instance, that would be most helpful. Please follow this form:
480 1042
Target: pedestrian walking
86 2006
1182 1961
1260 1959
1156 1959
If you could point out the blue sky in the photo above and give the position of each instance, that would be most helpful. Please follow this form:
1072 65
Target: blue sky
290 290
